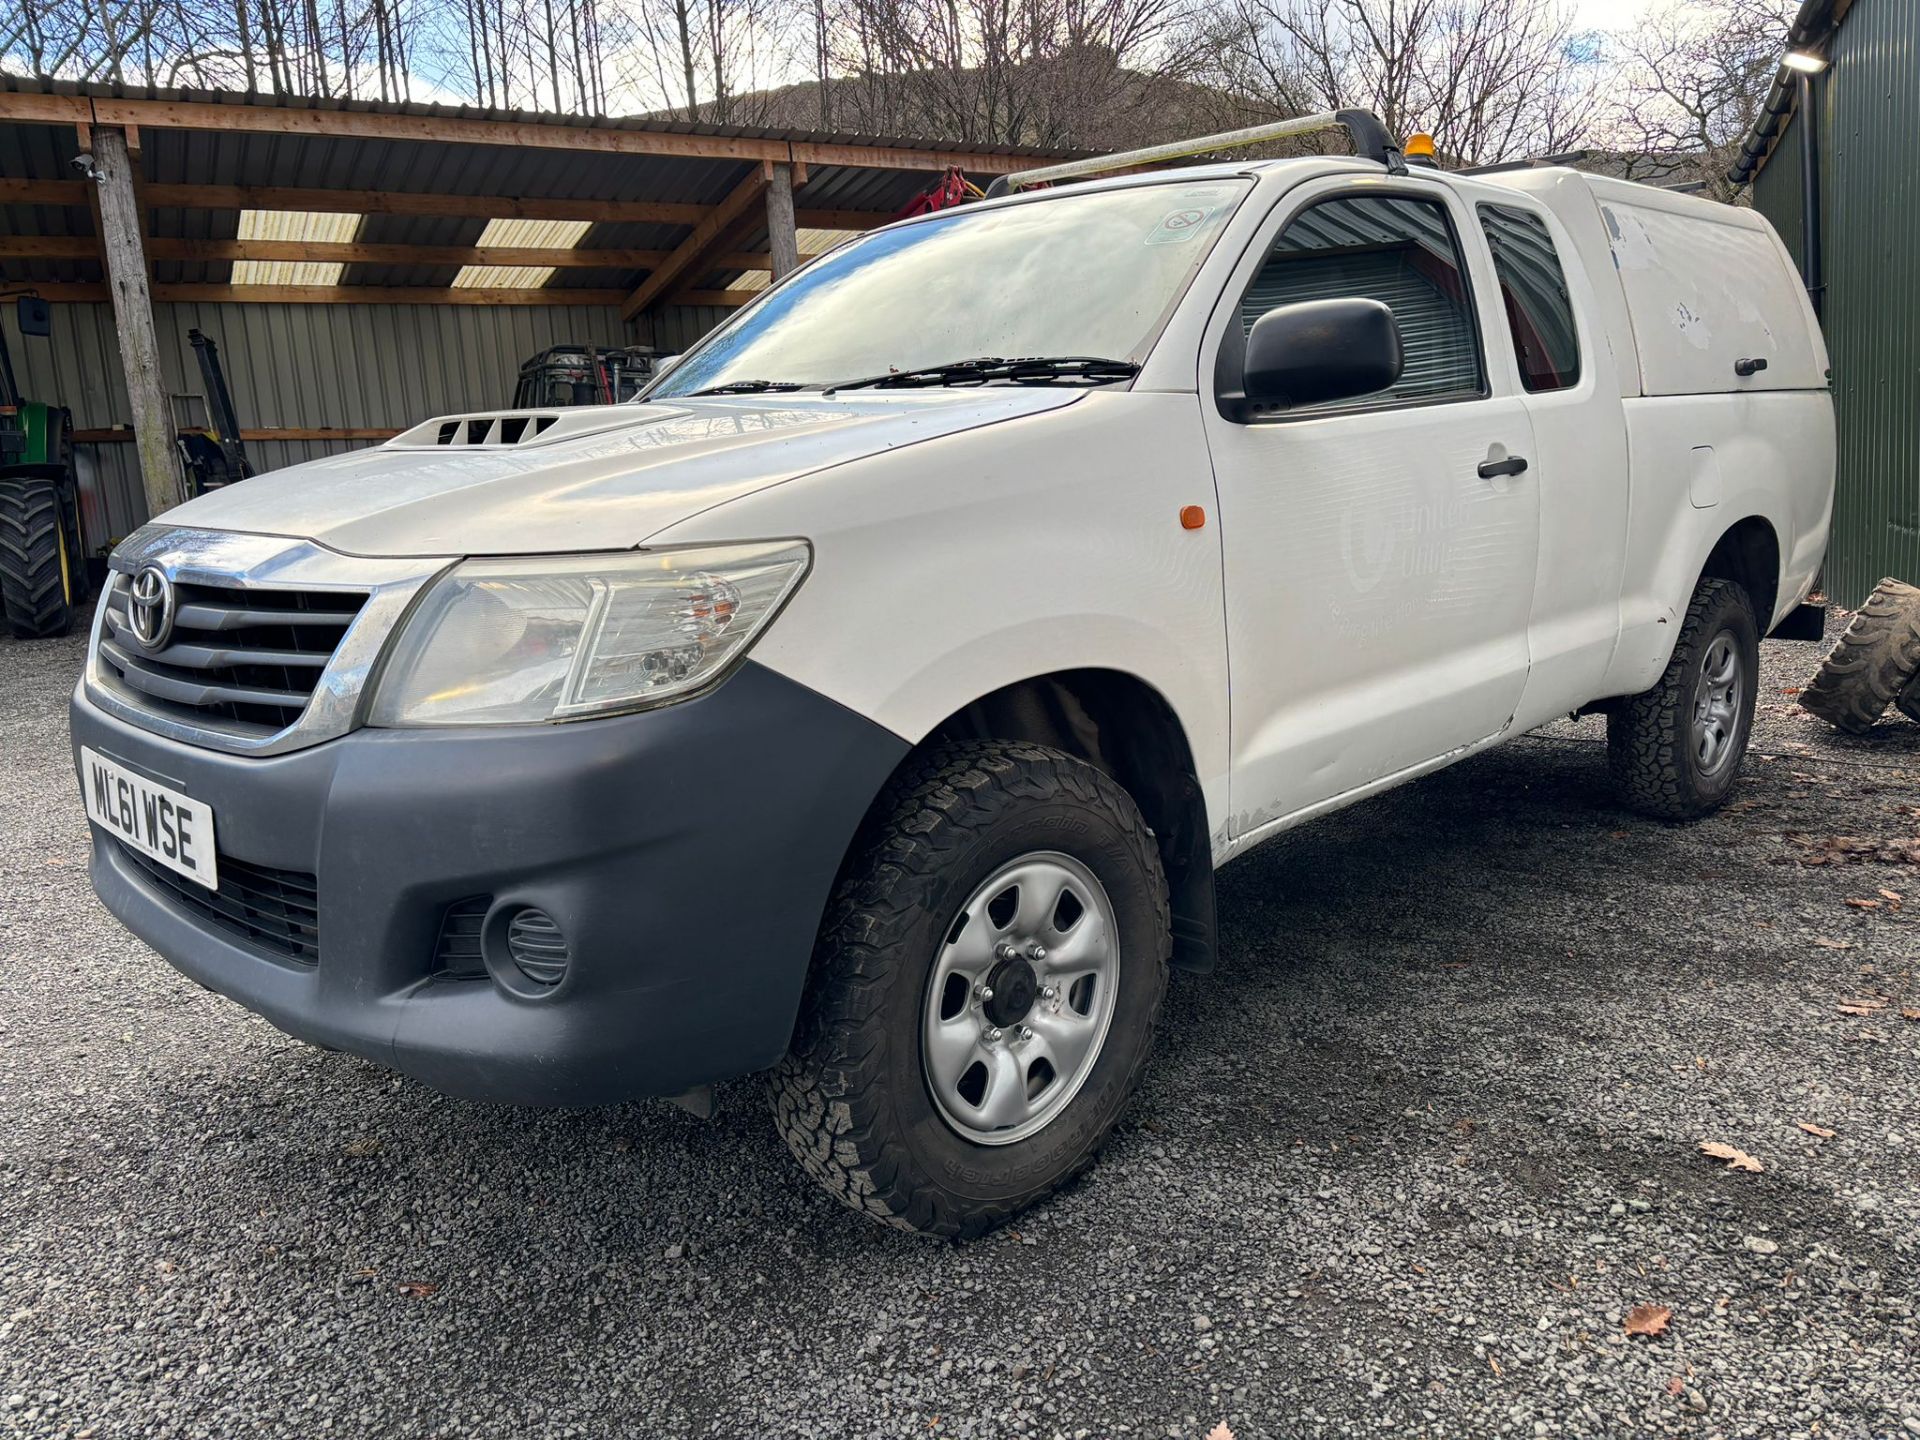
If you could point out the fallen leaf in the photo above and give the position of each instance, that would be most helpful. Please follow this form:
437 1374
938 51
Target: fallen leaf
1892 897
1648 1319
1736 1159
1676 1385
416 1289
1220 1432
1826 944
1860 904
1910 1014
1871 1005
366 1145
1853 850
1813 1129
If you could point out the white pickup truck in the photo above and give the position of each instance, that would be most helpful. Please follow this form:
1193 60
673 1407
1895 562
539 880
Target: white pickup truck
873 699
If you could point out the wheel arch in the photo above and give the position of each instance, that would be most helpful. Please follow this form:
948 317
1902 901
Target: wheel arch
1119 722
1748 553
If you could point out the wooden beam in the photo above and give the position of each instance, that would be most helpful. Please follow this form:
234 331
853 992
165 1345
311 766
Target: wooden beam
46 109
73 193
121 224
725 299
339 295
705 238
120 434
783 240
445 129
911 158
392 202
844 219
87 247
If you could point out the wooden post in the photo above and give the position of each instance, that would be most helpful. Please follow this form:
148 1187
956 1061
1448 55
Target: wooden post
122 229
783 238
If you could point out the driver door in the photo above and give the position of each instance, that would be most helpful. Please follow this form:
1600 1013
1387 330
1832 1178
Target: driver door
1379 565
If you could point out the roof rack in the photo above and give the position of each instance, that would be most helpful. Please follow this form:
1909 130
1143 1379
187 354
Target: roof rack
1370 142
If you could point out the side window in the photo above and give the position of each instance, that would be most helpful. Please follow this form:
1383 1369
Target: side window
1396 250
1533 291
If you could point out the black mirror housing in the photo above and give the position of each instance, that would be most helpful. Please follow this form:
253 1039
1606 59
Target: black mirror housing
1318 350
35 315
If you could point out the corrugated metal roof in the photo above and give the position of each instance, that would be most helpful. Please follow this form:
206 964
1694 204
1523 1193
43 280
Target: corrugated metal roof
44 151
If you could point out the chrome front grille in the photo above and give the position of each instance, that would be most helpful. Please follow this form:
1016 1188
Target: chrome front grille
247 659
271 642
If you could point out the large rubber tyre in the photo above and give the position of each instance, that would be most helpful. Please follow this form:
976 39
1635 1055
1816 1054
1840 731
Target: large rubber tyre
1875 661
36 573
1653 745
1909 699
852 1098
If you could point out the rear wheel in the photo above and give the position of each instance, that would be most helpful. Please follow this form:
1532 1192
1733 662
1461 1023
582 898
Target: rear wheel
984 990
1675 750
38 578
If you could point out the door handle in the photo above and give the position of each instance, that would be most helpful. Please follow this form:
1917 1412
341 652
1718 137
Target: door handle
1749 367
1512 465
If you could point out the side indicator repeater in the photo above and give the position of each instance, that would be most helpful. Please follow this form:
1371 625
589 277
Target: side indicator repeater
1192 517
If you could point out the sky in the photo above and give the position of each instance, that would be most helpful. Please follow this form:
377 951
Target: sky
1610 14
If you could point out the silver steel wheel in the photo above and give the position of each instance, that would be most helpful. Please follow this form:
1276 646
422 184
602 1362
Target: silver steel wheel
1716 704
1020 998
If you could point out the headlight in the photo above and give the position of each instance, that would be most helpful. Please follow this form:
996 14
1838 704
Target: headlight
534 638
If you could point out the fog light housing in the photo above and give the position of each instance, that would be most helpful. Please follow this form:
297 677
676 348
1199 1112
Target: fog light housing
537 947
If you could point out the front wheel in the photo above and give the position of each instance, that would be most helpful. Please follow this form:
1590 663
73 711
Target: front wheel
984 991
1675 750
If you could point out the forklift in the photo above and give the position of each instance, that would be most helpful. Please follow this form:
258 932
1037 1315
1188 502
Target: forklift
211 452
582 375
43 558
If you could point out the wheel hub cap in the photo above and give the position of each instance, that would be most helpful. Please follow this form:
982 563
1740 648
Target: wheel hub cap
1020 998
1013 987
1716 704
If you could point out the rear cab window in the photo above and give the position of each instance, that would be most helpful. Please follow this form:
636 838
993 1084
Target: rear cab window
1533 293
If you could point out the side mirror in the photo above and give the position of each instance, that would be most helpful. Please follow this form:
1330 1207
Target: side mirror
35 315
1320 350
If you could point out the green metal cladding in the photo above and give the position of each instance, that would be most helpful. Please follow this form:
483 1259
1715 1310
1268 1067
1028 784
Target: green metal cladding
1867 114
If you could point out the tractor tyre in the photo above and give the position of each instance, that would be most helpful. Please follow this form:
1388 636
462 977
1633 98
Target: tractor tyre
36 571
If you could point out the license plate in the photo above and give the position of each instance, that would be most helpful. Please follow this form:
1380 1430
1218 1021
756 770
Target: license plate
159 822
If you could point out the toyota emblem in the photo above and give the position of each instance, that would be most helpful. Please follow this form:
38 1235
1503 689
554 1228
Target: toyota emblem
150 608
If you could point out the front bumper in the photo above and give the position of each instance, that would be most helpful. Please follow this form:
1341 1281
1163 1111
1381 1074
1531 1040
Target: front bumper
687 854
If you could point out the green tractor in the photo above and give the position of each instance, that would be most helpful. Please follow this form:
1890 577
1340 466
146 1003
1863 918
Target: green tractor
43 560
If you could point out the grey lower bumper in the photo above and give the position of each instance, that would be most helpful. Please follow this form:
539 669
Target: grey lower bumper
687 854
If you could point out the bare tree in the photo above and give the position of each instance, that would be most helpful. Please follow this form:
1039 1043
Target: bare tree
1488 79
1692 77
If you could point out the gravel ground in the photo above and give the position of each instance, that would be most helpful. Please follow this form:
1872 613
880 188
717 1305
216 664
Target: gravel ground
1402 1165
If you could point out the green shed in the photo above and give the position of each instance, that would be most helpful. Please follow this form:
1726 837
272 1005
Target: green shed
1835 142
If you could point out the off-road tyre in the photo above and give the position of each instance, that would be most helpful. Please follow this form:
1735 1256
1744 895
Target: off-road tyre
1875 664
1909 699
851 1098
37 575
1650 745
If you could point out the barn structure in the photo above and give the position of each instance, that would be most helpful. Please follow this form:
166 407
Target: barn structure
365 265
1829 159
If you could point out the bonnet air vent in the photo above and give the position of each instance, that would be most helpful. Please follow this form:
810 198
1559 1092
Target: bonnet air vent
492 429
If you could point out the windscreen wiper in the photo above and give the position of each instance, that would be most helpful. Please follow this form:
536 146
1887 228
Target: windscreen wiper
1033 370
749 387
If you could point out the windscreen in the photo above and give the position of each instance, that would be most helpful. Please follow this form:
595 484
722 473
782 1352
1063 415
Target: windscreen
1089 274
